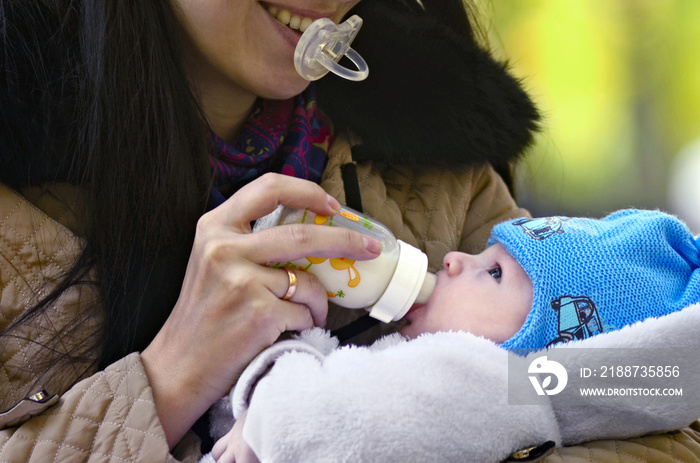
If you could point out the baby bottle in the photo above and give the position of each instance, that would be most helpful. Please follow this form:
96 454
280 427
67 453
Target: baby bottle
386 286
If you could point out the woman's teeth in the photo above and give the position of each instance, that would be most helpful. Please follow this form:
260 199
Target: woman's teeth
288 19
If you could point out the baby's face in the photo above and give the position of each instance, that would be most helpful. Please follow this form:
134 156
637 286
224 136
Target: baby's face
488 294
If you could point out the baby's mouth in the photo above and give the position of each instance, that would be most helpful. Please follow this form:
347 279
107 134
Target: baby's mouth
290 20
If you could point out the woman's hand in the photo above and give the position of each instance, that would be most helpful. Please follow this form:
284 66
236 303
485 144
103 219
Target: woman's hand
230 306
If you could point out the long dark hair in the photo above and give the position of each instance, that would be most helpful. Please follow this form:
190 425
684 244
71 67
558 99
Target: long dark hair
93 92
96 94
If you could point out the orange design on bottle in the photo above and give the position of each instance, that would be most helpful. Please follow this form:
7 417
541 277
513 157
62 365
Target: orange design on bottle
341 263
350 216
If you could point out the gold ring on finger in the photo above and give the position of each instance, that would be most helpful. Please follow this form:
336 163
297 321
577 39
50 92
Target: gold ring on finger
292 284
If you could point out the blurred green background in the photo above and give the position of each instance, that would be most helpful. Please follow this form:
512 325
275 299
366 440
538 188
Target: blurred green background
618 84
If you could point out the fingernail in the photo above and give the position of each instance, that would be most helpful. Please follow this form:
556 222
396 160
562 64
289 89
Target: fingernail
333 203
372 245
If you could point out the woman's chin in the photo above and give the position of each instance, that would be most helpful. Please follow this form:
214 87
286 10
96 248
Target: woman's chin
284 88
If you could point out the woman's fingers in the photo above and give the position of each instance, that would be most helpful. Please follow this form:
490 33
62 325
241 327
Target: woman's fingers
230 222
291 242
308 298
262 196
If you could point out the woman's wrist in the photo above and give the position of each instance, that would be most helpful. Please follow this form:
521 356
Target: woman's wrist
177 405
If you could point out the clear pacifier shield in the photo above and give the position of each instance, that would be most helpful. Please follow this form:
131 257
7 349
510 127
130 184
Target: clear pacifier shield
323 44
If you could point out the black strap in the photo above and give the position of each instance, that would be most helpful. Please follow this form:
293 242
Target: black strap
362 324
353 198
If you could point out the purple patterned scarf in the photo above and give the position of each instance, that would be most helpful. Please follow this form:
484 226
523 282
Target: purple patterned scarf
291 137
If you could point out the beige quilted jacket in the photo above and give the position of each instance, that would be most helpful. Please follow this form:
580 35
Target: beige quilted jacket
110 416
437 210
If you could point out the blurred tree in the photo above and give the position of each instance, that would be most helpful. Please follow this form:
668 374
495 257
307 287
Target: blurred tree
618 83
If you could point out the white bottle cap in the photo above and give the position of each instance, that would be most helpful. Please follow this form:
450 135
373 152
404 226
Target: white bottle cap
405 285
322 45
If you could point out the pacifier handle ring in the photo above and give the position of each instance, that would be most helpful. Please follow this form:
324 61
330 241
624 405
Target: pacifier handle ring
350 74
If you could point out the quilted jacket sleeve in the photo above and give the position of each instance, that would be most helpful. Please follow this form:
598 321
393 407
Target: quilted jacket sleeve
109 416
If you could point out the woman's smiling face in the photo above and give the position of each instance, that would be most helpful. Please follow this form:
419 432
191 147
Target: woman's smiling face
249 45
488 294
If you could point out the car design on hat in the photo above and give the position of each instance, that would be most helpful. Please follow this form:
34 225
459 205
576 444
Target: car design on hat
578 318
542 228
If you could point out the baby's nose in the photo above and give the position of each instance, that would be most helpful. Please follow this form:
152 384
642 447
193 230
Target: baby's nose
453 262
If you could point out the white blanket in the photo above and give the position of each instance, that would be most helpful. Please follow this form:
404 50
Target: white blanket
445 395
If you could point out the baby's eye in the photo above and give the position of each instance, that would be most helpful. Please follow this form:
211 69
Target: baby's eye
496 272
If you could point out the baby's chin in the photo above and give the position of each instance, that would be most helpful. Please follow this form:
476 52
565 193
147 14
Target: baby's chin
412 328
407 332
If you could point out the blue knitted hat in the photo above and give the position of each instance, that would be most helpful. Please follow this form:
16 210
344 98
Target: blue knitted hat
596 275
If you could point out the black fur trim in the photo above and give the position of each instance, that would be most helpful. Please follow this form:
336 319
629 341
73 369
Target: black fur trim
433 96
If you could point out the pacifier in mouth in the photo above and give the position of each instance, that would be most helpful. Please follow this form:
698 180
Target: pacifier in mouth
323 44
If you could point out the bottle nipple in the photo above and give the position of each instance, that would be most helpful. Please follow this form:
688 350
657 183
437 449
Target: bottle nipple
323 44
427 289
